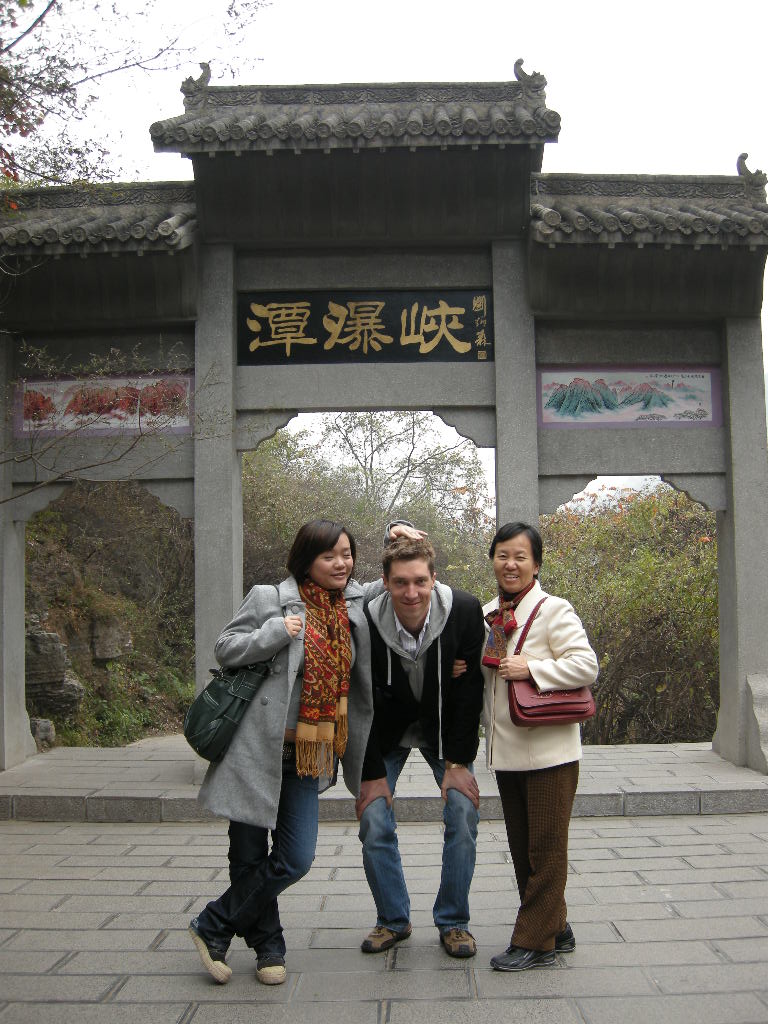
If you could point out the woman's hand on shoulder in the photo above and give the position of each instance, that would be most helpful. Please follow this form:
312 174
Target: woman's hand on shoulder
514 666
293 625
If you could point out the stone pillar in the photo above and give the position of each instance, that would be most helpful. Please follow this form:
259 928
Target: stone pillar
16 741
742 532
218 485
517 456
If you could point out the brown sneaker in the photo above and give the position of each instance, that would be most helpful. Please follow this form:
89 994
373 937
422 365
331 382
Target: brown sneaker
458 942
382 938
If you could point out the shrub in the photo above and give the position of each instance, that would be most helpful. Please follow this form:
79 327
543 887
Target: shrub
641 571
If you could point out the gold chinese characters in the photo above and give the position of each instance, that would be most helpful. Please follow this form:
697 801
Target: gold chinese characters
365 326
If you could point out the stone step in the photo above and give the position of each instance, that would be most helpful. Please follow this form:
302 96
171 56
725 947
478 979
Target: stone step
157 780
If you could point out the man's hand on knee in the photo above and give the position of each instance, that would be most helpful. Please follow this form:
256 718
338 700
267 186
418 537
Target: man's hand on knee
370 791
464 781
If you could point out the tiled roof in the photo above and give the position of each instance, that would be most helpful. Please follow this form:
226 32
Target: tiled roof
85 219
649 210
325 117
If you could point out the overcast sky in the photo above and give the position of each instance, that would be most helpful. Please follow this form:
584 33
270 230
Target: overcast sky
655 87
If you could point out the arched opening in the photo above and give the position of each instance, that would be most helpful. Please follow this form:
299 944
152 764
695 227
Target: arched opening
638 561
109 616
366 469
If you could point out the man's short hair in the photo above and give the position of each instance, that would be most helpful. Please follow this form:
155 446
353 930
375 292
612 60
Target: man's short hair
405 549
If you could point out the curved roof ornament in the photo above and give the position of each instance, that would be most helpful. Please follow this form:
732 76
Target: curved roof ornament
193 88
533 85
754 181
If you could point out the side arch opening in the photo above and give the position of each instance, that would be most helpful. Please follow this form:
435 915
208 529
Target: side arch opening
640 567
109 603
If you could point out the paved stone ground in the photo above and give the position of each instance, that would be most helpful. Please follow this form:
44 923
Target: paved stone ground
670 915
157 779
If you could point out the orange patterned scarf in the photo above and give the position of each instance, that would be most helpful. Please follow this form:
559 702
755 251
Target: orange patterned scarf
322 728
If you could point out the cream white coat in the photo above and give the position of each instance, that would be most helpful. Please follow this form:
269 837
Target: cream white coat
559 658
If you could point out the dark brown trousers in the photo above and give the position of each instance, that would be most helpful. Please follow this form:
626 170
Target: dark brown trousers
537 810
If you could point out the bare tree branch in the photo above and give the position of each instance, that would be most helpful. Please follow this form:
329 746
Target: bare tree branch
31 28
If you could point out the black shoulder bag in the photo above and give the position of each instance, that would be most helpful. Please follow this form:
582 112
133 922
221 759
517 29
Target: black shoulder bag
216 712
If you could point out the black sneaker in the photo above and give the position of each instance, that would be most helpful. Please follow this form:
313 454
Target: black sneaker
270 970
515 958
565 942
211 957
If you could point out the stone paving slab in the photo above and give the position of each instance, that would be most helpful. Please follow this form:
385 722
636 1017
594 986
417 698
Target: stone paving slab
83 1013
568 982
686 946
519 1011
677 1009
689 944
157 780
321 1013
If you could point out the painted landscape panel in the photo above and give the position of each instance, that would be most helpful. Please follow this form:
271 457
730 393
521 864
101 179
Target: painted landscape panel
104 406
629 397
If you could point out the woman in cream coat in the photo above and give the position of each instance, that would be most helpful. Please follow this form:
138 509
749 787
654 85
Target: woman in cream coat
537 769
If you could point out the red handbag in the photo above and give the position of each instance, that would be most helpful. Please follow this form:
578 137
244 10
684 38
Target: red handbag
529 707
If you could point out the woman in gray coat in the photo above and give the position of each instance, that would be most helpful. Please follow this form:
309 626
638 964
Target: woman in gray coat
313 707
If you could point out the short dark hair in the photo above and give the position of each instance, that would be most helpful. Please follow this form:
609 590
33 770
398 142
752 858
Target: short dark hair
407 549
313 539
510 530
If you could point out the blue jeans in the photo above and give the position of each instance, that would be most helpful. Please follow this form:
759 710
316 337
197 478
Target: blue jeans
249 906
381 854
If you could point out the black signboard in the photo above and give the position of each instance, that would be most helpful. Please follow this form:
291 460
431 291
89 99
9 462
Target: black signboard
280 328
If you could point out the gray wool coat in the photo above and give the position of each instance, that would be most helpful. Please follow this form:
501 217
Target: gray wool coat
245 784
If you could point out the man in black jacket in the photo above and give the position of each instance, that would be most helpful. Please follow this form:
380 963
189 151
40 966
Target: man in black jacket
419 629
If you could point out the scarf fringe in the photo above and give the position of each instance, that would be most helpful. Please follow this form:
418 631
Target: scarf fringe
314 758
316 745
342 735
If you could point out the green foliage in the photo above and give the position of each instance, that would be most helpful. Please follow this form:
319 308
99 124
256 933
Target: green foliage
110 715
125 705
642 574
113 552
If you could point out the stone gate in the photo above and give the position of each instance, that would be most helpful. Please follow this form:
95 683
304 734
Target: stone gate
392 247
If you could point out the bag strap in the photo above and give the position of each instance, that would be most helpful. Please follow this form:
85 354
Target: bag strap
527 626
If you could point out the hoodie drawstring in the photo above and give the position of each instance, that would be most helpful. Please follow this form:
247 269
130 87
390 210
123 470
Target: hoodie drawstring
439 699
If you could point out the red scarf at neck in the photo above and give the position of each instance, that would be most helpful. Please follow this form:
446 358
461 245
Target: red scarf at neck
502 622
